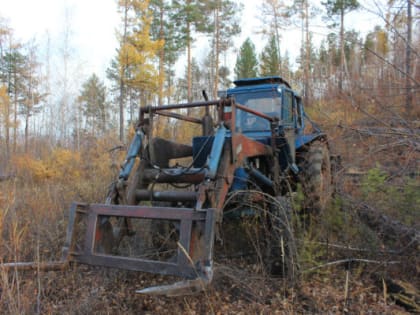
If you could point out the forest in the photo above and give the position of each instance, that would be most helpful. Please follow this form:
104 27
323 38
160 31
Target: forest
62 142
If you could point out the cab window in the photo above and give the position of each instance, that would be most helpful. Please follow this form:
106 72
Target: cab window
287 109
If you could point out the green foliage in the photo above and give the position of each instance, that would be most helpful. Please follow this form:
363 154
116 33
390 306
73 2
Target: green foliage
374 181
164 28
12 66
92 99
191 16
270 59
339 7
246 62
226 21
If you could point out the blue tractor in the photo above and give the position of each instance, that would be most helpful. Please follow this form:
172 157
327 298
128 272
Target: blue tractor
166 208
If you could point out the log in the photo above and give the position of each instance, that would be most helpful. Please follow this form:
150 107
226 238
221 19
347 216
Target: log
389 229
404 294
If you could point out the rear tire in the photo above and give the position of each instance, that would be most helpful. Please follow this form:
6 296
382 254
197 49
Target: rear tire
315 166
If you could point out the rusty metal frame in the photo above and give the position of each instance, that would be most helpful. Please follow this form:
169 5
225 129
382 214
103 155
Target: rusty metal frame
182 267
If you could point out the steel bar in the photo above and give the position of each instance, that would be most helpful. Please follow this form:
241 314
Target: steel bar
192 176
153 109
135 264
260 177
145 212
256 113
179 116
186 217
145 194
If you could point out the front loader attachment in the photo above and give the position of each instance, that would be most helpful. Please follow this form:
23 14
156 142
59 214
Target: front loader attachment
159 216
163 240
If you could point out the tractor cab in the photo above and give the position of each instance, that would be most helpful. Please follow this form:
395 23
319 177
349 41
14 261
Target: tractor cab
269 95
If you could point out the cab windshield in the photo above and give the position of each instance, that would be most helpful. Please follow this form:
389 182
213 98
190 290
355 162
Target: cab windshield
267 102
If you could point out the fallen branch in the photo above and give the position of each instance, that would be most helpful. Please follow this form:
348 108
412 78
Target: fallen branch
352 249
350 260
403 293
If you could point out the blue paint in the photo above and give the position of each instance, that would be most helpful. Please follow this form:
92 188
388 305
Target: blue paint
201 148
241 179
133 151
216 151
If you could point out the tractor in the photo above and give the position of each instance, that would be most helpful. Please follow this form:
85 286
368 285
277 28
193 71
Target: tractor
166 208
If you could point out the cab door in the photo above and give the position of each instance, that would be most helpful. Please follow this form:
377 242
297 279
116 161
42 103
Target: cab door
288 120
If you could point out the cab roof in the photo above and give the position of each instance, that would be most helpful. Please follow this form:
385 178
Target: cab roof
261 81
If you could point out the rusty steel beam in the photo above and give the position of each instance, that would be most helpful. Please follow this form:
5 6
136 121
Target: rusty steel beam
192 176
146 212
145 194
256 113
154 109
179 116
181 267
135 264
245 147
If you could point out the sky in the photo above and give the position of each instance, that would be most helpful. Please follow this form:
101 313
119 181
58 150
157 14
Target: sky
94 22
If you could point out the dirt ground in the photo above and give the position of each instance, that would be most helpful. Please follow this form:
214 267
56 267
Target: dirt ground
235 290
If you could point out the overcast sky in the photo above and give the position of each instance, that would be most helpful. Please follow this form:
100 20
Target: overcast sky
93 24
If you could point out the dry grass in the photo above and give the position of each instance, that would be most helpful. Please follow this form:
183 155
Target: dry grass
33 220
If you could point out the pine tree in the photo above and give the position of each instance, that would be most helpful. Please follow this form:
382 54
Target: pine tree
165 29
269 59
191 18
12 68
275 16
340 8
246 62
226 25
92 99
31 97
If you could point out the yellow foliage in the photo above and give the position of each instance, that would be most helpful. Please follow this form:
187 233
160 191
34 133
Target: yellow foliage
28 167
4 104
61 165
139 51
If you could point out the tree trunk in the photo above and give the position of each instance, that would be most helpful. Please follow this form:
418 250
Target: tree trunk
26 131
307 55
409 96
217 51
7 131
278 43
15 103
391 230
161 60
341 70
189 67
122 74
121 105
